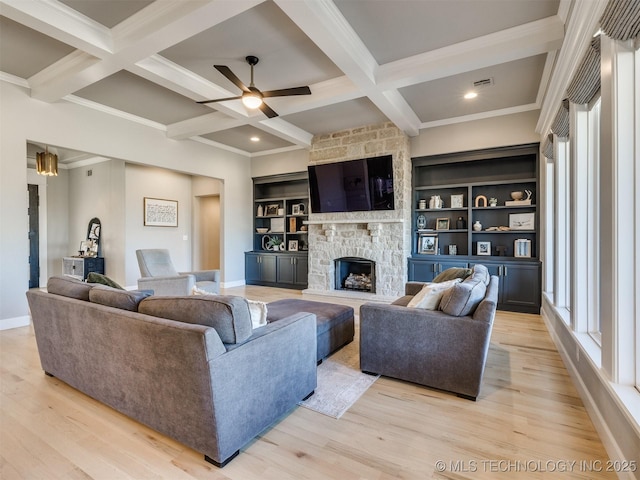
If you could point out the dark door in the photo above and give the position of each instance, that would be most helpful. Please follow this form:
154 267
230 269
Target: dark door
34 237
521 287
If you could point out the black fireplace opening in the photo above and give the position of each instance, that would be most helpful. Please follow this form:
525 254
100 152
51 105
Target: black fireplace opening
355 273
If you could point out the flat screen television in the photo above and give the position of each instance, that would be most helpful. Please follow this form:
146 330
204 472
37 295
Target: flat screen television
352 186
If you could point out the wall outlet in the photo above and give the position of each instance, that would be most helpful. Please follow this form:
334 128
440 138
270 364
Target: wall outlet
185 237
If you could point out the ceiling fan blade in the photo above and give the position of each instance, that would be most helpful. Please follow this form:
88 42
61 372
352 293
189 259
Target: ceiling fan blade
266 109
226 71
285 92
219 100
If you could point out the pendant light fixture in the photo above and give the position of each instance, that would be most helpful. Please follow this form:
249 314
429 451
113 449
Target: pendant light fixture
47 163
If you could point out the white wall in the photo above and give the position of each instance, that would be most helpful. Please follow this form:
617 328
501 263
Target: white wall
500 131
287 162
73 126
143 181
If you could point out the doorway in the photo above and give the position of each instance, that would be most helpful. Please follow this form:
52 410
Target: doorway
209 228
34 236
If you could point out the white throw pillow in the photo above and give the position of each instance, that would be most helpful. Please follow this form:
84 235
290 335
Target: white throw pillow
258 311
429 297
198 291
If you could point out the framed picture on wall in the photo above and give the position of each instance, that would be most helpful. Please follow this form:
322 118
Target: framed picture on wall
160 213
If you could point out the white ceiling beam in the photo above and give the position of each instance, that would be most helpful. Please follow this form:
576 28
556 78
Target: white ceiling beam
285 130
325 25
211 122
58 21
147 32
523 41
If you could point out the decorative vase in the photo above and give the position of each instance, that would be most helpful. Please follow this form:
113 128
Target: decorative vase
435 202
422 204
461 223
260 211
477 226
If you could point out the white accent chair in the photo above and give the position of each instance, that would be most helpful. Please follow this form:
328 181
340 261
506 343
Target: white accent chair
159 275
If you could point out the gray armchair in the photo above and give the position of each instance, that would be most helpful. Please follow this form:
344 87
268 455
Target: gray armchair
428 347
159 275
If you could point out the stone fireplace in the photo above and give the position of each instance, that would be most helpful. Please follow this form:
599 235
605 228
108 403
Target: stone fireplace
382 237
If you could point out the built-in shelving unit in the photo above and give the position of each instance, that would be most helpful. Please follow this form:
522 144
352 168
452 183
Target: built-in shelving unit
507 240
281 208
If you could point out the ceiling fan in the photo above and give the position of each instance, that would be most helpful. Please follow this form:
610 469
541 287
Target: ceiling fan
252 97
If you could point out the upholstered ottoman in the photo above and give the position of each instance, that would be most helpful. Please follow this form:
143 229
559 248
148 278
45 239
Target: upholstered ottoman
334 322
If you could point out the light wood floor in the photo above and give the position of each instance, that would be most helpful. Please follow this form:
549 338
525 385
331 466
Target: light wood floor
528 422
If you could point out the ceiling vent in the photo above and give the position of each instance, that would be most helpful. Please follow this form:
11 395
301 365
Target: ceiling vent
485 82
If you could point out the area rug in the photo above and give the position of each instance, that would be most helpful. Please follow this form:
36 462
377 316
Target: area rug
340 382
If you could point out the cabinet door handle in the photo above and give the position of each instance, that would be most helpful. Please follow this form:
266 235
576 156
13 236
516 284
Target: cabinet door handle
499 270
505 270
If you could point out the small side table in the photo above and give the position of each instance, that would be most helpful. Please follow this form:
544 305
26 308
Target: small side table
80 267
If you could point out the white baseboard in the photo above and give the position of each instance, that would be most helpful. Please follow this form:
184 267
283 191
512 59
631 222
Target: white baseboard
16 322
236 283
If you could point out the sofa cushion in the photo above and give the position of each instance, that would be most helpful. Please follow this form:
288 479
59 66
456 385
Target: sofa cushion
118 298
429 297
463 298
69 287
451 273
403 301
228 314
95 277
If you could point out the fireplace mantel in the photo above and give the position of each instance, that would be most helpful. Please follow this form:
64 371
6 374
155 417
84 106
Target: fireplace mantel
354 221
373 226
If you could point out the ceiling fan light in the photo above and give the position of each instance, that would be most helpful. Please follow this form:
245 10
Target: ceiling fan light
251 100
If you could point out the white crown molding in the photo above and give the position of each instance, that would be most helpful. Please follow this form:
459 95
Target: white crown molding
7 77
221 146
115 112
481 116
292 148
583 23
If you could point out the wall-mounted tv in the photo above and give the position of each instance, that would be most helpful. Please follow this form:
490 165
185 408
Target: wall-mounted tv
352 186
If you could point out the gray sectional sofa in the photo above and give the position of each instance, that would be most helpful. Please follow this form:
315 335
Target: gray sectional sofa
200 375
446 349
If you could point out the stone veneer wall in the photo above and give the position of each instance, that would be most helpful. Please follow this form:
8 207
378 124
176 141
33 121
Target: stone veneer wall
381 236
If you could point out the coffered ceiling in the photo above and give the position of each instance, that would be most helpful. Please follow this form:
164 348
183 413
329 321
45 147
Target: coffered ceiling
405 61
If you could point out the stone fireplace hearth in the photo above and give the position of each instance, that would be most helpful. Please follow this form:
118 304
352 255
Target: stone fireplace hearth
382 237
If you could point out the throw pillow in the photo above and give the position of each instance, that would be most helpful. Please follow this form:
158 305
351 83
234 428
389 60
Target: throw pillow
95 277
199 291
481 272
429 297
463 298
451 273
258 311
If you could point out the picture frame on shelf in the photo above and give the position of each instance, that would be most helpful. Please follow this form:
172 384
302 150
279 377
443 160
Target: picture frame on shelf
522 248
457 201
483 248
442 224
272 209
297 209
293 246
427 244
160 213
522 221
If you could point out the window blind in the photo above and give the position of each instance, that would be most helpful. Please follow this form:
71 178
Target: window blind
621 19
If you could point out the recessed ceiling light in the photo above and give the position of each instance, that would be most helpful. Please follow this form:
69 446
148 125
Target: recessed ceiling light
255 139
470 95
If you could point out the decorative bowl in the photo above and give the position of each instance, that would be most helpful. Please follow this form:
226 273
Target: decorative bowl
517 195
262 230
